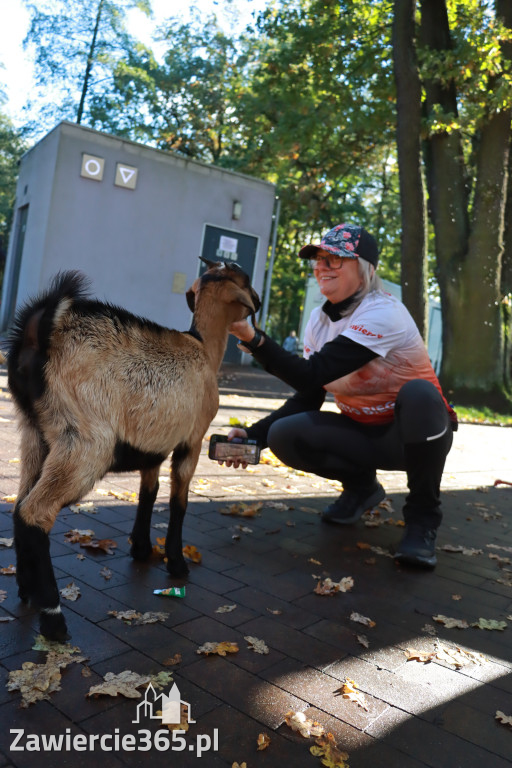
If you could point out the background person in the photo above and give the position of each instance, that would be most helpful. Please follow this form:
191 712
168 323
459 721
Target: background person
363 346
291 343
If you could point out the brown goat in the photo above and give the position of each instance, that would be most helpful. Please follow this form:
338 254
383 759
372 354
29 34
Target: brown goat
100 390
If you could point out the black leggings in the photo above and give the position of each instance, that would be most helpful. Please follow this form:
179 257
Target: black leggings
417 441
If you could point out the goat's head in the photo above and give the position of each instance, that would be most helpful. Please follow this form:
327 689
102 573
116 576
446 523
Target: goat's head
232 286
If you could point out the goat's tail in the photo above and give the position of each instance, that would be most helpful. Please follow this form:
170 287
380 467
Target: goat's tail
30 333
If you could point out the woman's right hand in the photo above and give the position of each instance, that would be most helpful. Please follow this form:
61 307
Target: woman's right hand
235 432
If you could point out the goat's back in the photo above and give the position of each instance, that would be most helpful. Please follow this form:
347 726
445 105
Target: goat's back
74 361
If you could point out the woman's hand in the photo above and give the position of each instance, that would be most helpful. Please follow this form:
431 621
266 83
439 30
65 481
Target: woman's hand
235 432
242 330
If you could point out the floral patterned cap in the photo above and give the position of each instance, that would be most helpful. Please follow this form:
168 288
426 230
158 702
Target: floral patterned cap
347 240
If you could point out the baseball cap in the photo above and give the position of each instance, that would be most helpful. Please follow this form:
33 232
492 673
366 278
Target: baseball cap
346 240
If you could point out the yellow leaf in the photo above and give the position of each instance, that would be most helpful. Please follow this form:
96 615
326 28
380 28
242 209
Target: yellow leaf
219 648
349 691
192 553
425 658
263 741
362 619
298 721
327 749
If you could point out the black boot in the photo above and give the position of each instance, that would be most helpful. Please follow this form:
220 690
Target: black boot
352 503
418 546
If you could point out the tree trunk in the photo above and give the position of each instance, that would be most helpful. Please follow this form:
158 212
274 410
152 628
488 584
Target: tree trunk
469 253
412 192
88 67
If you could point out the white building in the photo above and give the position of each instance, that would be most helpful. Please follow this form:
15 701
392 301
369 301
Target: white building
134 219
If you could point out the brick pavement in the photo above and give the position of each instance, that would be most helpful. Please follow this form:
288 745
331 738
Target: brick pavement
415 714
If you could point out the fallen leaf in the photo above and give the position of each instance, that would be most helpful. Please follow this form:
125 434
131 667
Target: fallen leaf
490 624
275 611
451 623
239 765
71 592
219 648
503 718
172 660
10 498
459 657
37 681
106 545
135 618
106 573
363 640
298 722
315 562
77 536
5 619
9 570
456 597
327 749
243 510
124 684
263 741
362 619
3 595
363 545
500 560
349 690
6 542
42 643
192 553
225 609
183 725
462 550
162 680
329 587
497 546
80 557
258 646
424 657
84 506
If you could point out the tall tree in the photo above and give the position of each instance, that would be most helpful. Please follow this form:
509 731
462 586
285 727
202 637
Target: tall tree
468 92
75 45
12 146
412 192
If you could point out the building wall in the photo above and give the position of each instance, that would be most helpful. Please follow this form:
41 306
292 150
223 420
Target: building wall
140 247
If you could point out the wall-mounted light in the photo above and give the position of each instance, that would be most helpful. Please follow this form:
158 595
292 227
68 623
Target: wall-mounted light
237 210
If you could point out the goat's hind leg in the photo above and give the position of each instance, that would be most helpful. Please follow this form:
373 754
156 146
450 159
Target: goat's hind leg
142 548
183 465
33 453
67 475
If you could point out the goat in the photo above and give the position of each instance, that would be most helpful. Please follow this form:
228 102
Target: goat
98 390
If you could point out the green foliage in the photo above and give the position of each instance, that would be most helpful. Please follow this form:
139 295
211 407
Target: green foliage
12 147
75 46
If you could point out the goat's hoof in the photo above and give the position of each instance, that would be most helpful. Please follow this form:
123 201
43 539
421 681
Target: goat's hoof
23 594
141 551
53 626
177 568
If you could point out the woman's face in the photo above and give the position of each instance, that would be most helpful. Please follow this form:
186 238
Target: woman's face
336 284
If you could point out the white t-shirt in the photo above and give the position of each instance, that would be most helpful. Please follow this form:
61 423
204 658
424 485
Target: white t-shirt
383 324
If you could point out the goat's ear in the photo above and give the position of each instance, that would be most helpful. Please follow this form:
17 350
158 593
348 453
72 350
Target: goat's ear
191 295
232 292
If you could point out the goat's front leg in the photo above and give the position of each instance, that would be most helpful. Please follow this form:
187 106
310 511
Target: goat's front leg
183 465
142 548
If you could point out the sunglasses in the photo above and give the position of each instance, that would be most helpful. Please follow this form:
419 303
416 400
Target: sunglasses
332 261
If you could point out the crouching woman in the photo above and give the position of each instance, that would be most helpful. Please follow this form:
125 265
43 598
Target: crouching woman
362 346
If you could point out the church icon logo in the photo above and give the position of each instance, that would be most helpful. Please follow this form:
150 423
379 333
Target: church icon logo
164 707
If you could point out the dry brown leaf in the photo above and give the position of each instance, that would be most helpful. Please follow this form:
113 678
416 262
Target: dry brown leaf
363 545
225 609
456 597
172 660
219 648
349 690
329 587
263 741
275 611
183 725
451 623
462 550
106 573
243 510
424 657
503 718
71 592
136 619
459 657
192 553
298 721
239 765
37 681
9 570
500 560
327 749
362 619
124 684
106 545
256 645
77 536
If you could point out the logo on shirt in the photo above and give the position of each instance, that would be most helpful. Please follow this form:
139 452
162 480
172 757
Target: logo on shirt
366 332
